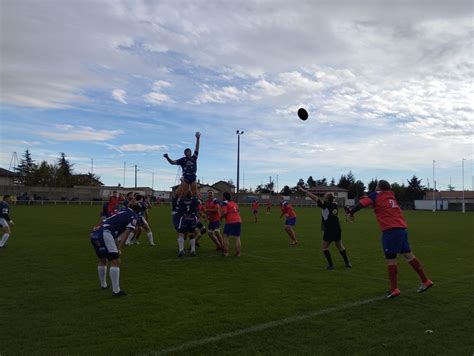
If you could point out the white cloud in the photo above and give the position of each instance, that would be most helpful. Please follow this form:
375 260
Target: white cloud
138 147
220 95
157 98
80 133
119 95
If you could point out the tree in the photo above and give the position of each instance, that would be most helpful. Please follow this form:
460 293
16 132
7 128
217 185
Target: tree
356 190
399 191
415 191
344 182
373 184
89 180
45 175
311 182
333 182
451 188
301 183
322 182
26 169
286 190
64 172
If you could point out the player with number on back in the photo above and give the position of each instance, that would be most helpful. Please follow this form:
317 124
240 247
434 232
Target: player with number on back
232 227
103 239
188 209
394 234
188 164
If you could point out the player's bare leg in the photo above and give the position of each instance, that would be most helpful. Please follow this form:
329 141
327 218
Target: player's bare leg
225 249
343 253
5 235
291 233
416 265
194 189
217 234
213 237
238 246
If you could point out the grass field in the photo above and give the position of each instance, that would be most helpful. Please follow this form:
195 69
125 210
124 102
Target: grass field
275 299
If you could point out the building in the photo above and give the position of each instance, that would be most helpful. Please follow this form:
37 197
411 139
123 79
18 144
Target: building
339 193
223 186
6 177
452 196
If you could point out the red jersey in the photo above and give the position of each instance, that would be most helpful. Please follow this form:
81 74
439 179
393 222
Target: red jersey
287 209
255 205
231 211
386 209
113 203
213 216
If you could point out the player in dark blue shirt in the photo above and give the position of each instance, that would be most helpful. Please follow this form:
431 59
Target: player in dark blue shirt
142 223
188 164
5 221
103 239
188 209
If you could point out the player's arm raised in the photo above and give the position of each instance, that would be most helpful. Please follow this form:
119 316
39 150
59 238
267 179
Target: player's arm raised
198 136
169 159
309 194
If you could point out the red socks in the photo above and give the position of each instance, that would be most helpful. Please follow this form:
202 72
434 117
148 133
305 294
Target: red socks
392 273
417 267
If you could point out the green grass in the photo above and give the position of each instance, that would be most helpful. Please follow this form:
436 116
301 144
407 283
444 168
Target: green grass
51 304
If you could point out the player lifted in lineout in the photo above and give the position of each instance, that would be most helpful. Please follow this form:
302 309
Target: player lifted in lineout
394 234
330 225
188 164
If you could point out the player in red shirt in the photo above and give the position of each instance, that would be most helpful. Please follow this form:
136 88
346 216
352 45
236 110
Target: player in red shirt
114 201
255 207
212 209
290 221
269 206
233 222
394 234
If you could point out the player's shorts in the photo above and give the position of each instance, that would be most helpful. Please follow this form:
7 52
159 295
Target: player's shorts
232 229
104 244
187 225
142 221
175 218
332 235
3 222
189 178
255 211
290 221
395 241
214 225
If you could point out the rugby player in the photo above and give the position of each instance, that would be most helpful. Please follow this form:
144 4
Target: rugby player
5 221
290 221
232 227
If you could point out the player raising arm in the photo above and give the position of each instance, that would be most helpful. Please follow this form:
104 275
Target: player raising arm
330 225
188 164
394 234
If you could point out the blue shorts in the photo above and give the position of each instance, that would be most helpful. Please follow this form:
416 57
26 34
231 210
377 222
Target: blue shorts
104 244
187 225
290 221
215 225
189 178
175 218
232 229
395 241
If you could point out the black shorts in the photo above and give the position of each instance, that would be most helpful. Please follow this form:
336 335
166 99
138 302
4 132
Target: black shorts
332 235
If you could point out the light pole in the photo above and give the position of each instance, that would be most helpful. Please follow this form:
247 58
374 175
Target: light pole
238 133
463 203
153 180
434 187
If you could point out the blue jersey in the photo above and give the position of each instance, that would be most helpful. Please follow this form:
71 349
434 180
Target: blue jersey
143 207
188 208
4 210
174 205
188 165
126 219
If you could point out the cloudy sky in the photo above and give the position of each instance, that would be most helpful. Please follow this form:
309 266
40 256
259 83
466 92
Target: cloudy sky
388 85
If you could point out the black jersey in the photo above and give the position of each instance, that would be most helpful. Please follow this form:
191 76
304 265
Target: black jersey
329 218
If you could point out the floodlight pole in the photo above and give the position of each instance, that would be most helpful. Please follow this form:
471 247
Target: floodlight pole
463 202
434 187
238 133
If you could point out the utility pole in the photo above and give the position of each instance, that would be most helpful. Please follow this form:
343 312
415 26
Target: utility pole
434 187
92 165
124 170
152 180
136 169
239 133
463 202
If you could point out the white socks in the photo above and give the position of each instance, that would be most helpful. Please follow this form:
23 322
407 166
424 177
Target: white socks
130 237
149 235
115 277
181 243
4 239
102 270
193 245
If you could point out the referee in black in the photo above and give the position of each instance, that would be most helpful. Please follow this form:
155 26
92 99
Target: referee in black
329 225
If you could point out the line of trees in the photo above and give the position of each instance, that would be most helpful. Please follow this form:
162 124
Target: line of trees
413 190
57 174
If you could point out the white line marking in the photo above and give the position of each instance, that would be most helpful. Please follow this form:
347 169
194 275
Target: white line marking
280 322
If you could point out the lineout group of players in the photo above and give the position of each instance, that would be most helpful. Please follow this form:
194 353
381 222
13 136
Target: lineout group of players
186 208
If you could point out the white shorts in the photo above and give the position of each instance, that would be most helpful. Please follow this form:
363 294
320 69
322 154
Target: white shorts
109 242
